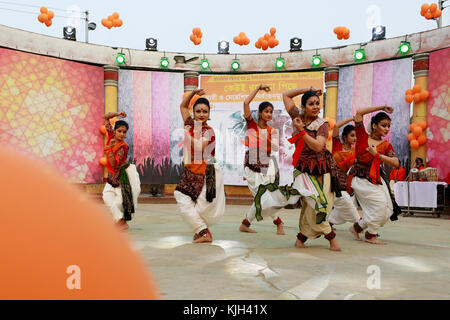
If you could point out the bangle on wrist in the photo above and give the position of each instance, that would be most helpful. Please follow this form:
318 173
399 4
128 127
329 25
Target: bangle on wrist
378 156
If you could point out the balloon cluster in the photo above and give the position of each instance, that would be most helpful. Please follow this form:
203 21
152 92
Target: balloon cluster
102 130
331 123
46 16
417 136
430 11
267 41
416 94
342 33
196 36
112 21
241 39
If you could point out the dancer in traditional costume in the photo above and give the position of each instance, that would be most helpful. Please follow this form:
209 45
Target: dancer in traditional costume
365 177
123 186
313 164
345 207
200 192
259 167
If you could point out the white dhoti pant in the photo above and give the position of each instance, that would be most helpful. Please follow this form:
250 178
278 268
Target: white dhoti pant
254 180
345 210
113 196
202 214
375 202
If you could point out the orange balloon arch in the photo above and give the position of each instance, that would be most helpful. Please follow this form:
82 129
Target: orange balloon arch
59 244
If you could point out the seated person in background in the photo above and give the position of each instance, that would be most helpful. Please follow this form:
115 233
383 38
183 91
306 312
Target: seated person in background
398 174
419 164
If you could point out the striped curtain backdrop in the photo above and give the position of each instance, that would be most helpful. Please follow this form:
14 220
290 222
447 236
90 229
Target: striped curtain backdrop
152 103
380 83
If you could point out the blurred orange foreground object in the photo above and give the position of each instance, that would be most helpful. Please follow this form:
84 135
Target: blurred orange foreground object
58 244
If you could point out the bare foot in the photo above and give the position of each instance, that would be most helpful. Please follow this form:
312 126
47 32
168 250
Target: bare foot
122 225
334 245
205 238
244 228
354 233
280 229
374 240
299 244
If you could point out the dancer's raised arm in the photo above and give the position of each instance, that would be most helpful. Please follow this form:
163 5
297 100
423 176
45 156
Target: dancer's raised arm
361 112
338 125
288 96
184 106
252 96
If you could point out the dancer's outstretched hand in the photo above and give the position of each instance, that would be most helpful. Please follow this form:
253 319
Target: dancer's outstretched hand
122 115
199 92
316 91
264 87
388 109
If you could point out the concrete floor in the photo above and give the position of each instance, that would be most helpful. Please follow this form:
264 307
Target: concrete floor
414 265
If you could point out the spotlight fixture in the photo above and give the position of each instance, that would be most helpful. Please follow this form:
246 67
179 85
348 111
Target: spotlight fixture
120 58
296 44
151 44
405 47
279 63
92 26
224 47
204 64
316 60
164 62
70 33
359 55
235 65
378 33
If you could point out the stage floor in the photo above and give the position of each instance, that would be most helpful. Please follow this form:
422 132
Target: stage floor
414 265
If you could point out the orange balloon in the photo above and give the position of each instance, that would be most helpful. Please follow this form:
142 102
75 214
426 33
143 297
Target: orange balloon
236 39
409 98
192 37
267 36
428 15
409 92
197 41
271 43
110 18
422 140
417 131
44 10
196 31
437 13
411 136
422 124
414 144
120 22
258 45
104 22
103 129
44 17
330 135
50 14
340 37
48 23
116 15
277 42
417 88
335 30
412 126
109 24
346 36
247 41
417 97
424 95
41 18
433 7
102 161
45 256
424 7
273 31
265 44
115 22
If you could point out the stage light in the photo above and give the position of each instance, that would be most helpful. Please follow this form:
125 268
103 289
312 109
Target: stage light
279 63
405 47
316 60
378 33
120 58
359 55
164 62
235 65
224 47
151 44
70 33
204 64
92 26
296 44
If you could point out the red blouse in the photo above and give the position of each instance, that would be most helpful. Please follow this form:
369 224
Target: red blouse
119 151
256 144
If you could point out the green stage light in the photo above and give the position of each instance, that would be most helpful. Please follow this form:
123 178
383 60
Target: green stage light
235 65
204 64
316 60
120 58
279 63
359 55
164 63
405 47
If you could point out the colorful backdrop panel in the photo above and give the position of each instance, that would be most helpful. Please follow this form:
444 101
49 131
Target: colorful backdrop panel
152 103
52 109
381 83
438 133
227 93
